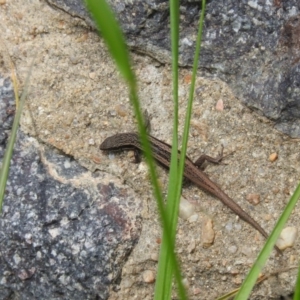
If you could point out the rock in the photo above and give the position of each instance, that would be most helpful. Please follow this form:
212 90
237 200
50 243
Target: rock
191 246
287 238
273 156
148 276
186 209
253 198
66 231
193 218
208 233
253 47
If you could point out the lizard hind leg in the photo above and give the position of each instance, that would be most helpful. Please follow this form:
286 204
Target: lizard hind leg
203 158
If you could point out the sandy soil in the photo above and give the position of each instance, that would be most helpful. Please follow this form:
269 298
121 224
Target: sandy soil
77 99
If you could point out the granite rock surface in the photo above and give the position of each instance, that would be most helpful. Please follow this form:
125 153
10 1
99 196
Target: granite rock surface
254 46
64 232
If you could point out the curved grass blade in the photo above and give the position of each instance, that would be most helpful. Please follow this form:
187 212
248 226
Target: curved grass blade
113 36
250 280
10 145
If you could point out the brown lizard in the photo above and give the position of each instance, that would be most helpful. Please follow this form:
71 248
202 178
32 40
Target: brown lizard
162 153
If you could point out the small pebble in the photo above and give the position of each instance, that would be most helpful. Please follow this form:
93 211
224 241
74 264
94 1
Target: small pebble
275 190
187 78
273 157
220 105
91 142
82 38
67 164
234 271
92 75
208 234
207 265
268 217
74 60
191 247
253 198
229 226
17 259
25 274
186 209
54 232
238 280
196 291
154 256
130 154
232 249
112 113
185 282
293 259
148 276
127 283
28 238
96 159
287 238
121 110
143 168
193 218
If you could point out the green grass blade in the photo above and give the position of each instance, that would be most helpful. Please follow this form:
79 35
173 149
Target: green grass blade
251 278
10 145
191 94
165 265
113 36
114 39
173 177
297 287
165 268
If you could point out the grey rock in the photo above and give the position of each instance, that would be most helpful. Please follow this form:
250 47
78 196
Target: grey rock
7 110
65 232
252 45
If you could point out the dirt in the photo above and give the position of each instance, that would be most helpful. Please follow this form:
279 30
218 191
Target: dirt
77 98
